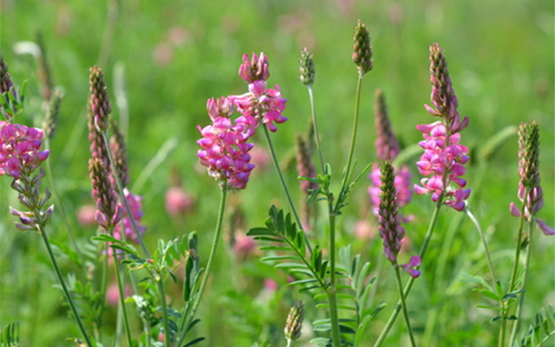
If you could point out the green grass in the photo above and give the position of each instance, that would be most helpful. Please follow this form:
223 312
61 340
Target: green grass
501 62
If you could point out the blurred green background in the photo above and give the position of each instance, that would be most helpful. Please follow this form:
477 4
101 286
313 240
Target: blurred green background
177 54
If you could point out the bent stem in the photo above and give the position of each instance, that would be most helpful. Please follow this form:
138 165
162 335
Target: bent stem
315 125
282 181
512 282
186 322
403 303
524 279
64 287
408 287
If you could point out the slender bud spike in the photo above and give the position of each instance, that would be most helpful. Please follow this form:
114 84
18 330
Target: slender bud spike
529 151
362 55
305 167
44 74
99 101
294 321
51 119
391 231
387 146
6 85
117 144
307 67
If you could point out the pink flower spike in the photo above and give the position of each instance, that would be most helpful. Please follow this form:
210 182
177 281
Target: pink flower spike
255 69
546 230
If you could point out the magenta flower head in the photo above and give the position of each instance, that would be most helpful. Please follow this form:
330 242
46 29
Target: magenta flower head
530 190
444 156
255 69
224 148
20 149
260 104
387 148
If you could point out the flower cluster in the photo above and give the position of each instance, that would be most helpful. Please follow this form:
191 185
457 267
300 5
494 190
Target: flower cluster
20 149
443 157
224 148
528 169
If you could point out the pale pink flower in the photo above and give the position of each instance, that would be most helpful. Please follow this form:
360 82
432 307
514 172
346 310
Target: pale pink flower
135 206
85 215
178 201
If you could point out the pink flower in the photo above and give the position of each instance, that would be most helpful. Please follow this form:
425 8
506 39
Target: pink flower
255 69
85 215
224 150
135 206
260 103
243 245
20 149
414 262
178 201
443 157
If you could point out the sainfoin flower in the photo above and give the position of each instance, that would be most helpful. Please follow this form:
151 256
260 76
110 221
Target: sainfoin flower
224 148
135 206
528 169
390 227
444 157
20 148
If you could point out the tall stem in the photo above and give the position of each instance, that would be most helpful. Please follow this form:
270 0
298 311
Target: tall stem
347 173
408 287
315 125
284 185
64 287
162 293
403 303
524 280
121 296
185 327
332 290
488 257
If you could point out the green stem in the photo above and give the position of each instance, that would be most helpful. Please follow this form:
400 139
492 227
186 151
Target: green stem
315 125
408 287
162 292
122 195
403 303
121 296
347 173
187 320
59 201
512 282
64 287
332 290
284 186
524 280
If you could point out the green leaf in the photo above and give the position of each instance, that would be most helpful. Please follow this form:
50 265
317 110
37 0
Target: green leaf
489 294
310 280
279 257
194 342
475 279
344 329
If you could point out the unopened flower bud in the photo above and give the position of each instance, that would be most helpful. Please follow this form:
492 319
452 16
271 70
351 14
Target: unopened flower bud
294 321
362 55
307 67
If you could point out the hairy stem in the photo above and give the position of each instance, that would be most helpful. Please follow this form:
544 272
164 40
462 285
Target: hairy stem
404 304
